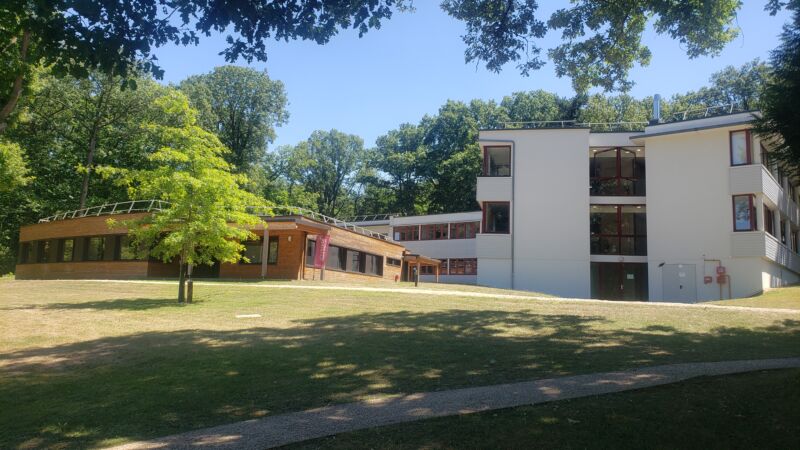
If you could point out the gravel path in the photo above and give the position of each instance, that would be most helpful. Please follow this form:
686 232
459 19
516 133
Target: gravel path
315 423
456 293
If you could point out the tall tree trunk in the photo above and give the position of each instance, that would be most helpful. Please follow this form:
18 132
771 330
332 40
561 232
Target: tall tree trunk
89 160
16 88
181 282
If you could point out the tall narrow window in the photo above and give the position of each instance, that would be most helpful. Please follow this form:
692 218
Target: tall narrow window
43 252
744 216
497 161
741 153
496 217
272 255
66 252
95 246
769 220
125 251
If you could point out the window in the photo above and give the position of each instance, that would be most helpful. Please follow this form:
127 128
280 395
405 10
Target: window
426 270
311 248
463 266
354 258
618 230
497 161
66 252
42 251
272 251
393 262
769 221
95 246
617 172
496 218
373 264
433 232
744 215
337 258
464 230
741 153
124 250
783 232
406 233
252 252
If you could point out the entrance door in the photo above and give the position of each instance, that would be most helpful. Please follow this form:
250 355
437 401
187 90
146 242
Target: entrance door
618 281
679 282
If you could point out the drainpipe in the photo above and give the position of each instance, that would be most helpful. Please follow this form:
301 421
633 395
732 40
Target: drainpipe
513 184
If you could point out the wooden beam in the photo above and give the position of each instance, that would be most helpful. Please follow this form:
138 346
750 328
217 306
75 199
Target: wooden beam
264 253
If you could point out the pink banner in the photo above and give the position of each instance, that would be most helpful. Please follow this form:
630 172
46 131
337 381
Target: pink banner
321 251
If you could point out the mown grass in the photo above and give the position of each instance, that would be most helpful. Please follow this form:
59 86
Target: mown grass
783 298
754 410
86 364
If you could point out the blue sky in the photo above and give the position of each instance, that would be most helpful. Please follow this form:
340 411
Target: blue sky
415 62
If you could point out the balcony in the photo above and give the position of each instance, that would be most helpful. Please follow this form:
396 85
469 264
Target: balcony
493 246
764 245
755 178
492 189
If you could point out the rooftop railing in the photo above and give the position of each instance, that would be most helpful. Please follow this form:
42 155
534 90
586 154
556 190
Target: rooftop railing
700 113
370 218
594 126
146 206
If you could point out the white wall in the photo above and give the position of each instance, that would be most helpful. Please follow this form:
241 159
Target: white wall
550 210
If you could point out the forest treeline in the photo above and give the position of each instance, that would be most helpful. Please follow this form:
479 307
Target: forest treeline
67 127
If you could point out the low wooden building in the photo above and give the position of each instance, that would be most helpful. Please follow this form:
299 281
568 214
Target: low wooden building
82 246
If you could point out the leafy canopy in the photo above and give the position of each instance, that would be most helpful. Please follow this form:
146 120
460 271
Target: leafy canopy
780 121
207 218
242 106
13 170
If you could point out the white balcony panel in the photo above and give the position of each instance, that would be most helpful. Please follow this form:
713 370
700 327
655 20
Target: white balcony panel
764 245
494 189
755 179
493 246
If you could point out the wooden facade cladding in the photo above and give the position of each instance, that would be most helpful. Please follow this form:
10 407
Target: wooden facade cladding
292 233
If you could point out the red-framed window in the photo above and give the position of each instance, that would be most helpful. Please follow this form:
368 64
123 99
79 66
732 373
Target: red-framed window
744 213
409 233
497 161
740 148
769 220
617 172
433 232
618 230
464 230
463 266
497 217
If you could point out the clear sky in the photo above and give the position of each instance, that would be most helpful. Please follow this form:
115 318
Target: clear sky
415 62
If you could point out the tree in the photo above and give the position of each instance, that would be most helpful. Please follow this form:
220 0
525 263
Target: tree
13 170
601 39
780 120
116 38
242 106
206 219
399 159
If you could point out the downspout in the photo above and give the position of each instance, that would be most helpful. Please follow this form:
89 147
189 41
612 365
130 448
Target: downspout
513 184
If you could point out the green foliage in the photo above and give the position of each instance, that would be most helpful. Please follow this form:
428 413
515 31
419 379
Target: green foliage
206 219
780 122
242 106
13 170
601 39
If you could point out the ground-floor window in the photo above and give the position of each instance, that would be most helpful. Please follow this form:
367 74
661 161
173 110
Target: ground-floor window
619 281
463 266
346 260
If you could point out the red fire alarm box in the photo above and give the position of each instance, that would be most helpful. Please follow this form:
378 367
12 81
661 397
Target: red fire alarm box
722 279
720 270
708 280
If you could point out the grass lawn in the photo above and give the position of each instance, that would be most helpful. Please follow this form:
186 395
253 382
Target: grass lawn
86 364
754 410
785 298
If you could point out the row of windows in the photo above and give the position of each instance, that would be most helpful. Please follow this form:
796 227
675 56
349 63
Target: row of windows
742 154
347 260
744 219
437 231
92 248
253 251
453 266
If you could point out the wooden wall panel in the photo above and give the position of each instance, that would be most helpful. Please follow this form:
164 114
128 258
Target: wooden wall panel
290 260
84 226
83 270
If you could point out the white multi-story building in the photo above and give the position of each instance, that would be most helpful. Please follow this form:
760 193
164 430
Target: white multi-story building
684 211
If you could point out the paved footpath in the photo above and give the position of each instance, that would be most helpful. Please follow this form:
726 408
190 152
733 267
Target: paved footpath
288 428
455 293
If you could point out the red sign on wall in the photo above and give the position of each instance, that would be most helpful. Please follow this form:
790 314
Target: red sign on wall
321 251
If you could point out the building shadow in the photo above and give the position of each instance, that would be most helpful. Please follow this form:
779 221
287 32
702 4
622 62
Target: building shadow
157 383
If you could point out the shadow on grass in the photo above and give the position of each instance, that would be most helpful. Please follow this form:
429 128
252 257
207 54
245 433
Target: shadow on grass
152 384
122 304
